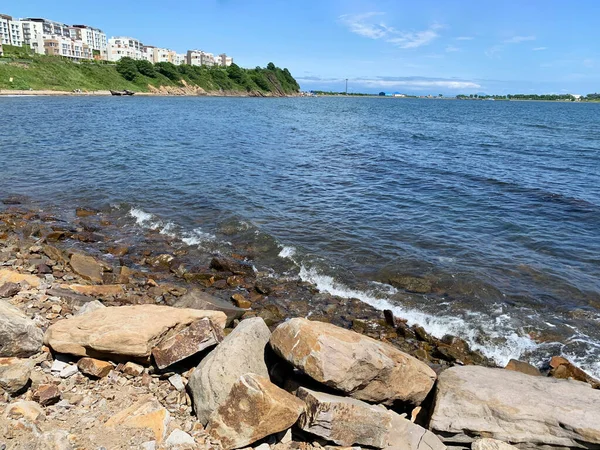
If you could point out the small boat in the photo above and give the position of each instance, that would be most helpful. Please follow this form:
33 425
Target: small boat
120 93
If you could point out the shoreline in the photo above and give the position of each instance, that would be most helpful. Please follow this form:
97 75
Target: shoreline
103 93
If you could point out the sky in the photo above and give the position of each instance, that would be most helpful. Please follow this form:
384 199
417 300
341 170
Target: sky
414 47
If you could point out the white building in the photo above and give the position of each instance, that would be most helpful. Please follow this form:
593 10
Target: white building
200 58
93 37
11 31
120 47
178 58
33 35
50 27
59 45
224 60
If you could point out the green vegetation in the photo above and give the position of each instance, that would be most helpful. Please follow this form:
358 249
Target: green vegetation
541 97
56 73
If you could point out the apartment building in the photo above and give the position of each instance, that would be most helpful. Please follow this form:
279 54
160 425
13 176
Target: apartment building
120 47
58 45
93 37
11 31
177 58
224 60
50 27
200 58
33 35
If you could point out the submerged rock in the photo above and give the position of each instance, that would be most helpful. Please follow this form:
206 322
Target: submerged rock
124 331
255 408
241 352
411 284
364 368
224 264
527 411
19 335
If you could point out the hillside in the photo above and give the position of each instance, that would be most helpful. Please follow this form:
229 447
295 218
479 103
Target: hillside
54 73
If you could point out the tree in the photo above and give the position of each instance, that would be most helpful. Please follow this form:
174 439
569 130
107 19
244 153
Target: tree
382 94
127 68
271 66
235 73
145 68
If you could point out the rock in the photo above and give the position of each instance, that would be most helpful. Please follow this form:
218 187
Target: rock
54 440
150 445
128 332
69 371
94 367
411 284
58 366
240 301
30 411
223 264
523 367
47 394
347 422
241 352
492 444
255 408
178 437
562 368
527 411
132 369
362 367
14 374
146 413
85 212
177 382
10 276
86 267
199 336
9 290
198 299
271 314
54 253
18 334
89 307
106 290
70 297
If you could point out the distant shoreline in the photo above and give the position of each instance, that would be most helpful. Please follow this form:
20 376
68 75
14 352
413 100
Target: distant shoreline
104 93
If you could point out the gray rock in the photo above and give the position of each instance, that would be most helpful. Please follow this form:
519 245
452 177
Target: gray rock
347 421
14 374
89 307
69 371
178 437
529 412
492 444
197 299
18 334
241 352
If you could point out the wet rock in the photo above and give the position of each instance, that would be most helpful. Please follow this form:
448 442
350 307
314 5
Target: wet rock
119 250
129 332
86 267
85 212
255 408
198 299
47 394
223 264
271 314
241 352
364 368
9 290
94 368
146 413
411 284
199 336
491 444
523 367
240 301
19 335
14 374
390 320
472 401
10 276
562 368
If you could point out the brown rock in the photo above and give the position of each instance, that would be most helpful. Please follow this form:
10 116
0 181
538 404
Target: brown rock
411 284
118 250
523 367
240 301
30 411
105 290
255 408
55 236
94 367
47 394
10 276
54 253
125 332
132 369
199 336
85 212
562 368
362 367
223 264
147 413
9 290
86 267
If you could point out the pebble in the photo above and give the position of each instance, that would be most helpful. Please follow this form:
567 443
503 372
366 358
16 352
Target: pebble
177 382
58 366
69 371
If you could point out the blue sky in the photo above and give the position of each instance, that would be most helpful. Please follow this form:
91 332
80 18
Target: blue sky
423 47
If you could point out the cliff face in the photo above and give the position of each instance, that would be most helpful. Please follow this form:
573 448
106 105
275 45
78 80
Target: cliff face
56 74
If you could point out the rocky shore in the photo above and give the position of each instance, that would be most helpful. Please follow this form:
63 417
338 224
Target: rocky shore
113 344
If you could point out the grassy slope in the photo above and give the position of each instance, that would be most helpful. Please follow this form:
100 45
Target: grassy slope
50 73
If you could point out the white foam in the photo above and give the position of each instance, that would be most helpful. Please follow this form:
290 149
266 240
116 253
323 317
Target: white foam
501 343
287 252
142 218
197 237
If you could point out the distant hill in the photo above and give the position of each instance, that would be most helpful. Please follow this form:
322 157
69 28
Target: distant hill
23 72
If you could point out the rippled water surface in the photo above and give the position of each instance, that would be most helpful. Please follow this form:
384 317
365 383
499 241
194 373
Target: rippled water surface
497 204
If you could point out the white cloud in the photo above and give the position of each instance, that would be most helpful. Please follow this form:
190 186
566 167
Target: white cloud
451 48
413 83
368 25
539 49
519 39
465 38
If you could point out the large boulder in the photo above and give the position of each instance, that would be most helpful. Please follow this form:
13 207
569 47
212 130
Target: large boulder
87 267
123 332
10 276
255 408
364 368
241 352
526 411
198 299
18 334
14 374
348 422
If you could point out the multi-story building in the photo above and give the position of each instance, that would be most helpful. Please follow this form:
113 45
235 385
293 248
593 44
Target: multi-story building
200 58
33 35
58 45
1 49
50 27
11 31
120 47
93 37
177 58
224 60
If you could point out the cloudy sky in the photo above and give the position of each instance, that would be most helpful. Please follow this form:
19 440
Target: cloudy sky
422 47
